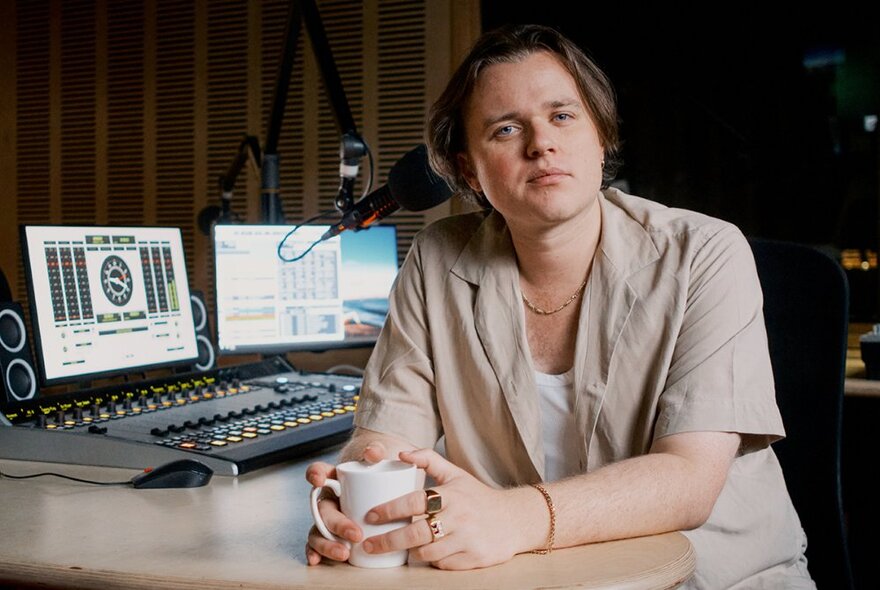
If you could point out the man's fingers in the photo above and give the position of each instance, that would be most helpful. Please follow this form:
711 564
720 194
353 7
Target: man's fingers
375 452
432 462
338 523
325 547
317 473
411 504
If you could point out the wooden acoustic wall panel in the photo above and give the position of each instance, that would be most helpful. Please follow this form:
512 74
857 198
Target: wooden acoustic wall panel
401 96
227 88
78 111
174 125
291 145
32 124
125 113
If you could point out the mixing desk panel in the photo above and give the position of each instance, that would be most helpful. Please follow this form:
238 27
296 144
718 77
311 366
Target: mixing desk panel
234 419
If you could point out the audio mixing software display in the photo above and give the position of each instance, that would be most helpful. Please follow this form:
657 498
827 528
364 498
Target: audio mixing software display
335 296
107 300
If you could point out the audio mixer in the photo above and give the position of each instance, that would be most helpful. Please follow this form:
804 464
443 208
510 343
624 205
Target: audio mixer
234 419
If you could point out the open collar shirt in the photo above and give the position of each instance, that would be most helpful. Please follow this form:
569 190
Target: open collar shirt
673 341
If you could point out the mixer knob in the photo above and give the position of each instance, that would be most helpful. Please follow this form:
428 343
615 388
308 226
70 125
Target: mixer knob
111 407
60 417
95 409
41 421
78 414
127 403
331 388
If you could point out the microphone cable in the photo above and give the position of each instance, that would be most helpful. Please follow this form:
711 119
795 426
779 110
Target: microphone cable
321 215
367 187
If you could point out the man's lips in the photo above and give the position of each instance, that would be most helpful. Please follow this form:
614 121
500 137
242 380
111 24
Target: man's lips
547 175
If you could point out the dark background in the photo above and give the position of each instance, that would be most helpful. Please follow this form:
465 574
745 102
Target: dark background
753 114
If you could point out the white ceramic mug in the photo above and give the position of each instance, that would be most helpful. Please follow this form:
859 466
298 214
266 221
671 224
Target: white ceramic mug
360 487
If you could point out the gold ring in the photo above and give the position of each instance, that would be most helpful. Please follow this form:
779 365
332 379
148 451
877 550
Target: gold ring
433 502
436 527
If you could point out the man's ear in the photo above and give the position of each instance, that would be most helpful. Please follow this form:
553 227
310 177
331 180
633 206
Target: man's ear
464 164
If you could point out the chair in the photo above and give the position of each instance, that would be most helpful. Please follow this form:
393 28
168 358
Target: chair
806 311
5 292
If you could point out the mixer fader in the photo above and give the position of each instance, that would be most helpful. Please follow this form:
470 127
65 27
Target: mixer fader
235 419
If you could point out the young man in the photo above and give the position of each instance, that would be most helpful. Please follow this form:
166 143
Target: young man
570 334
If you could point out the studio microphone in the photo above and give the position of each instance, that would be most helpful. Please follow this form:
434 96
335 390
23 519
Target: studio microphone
412 185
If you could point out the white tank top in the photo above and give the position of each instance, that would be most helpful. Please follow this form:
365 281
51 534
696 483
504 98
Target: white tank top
557 419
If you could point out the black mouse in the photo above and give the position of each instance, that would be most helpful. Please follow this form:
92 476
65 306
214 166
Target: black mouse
182 473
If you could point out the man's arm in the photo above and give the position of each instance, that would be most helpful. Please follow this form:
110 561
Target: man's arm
674 487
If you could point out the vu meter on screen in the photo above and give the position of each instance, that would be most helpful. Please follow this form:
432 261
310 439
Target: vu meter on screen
108 299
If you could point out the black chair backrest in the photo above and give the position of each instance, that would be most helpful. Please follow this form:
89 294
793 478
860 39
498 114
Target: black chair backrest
5 292
806 311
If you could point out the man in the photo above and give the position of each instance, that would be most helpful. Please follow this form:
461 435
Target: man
570 334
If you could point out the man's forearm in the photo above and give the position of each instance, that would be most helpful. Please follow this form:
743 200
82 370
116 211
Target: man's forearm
653 493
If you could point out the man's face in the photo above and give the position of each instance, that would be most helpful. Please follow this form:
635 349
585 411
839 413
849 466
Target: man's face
532 147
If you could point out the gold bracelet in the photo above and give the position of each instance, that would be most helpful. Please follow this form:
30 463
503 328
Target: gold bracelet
552 509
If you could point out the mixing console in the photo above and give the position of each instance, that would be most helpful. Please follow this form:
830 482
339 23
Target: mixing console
233 419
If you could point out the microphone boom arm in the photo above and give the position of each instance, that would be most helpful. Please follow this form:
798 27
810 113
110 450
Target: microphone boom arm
352 147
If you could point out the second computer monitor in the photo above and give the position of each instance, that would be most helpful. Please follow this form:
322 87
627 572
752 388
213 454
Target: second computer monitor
336 296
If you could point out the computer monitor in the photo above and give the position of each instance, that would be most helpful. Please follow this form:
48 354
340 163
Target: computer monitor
107 300
336 296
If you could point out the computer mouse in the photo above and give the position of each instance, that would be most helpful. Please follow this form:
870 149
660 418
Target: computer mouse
182 473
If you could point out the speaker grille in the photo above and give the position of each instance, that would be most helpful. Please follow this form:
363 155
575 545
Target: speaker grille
12 331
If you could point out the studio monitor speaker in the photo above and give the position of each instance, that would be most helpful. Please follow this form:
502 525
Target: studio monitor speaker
207 352
19 378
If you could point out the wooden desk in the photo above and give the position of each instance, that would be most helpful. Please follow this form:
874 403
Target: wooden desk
250 531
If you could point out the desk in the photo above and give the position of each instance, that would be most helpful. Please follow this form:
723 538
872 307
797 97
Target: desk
250 531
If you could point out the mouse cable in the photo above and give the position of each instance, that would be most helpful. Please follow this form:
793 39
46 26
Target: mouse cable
99 483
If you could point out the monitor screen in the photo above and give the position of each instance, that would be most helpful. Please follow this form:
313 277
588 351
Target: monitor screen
336 296
107 300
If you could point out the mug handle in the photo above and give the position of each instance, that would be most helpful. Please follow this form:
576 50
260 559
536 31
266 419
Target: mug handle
336 488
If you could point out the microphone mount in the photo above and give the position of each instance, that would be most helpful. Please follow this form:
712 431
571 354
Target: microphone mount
352 147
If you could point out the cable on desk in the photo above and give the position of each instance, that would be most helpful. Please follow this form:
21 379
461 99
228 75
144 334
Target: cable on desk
99 483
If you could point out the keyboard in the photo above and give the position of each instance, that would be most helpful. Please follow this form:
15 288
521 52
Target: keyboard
235 419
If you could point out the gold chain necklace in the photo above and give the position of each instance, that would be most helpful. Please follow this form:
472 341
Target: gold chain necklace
540 311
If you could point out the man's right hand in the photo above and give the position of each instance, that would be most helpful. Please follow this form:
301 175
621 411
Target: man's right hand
328 505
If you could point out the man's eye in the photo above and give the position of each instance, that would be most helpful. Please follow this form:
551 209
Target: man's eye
504 131
562 116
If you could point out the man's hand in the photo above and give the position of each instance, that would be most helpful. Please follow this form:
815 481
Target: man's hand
480 522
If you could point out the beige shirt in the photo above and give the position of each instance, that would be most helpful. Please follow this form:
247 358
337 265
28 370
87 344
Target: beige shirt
673 341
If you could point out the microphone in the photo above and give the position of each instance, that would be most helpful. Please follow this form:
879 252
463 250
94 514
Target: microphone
411 185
